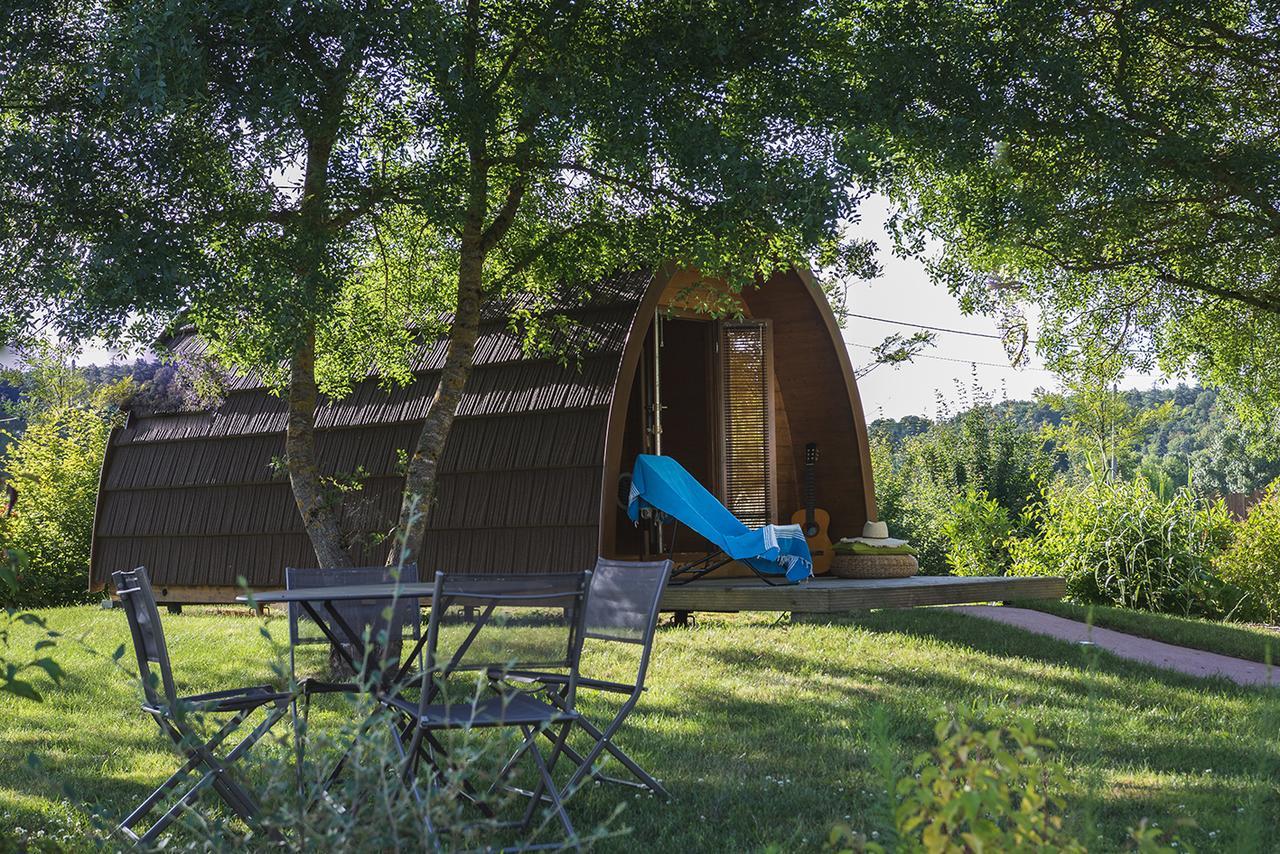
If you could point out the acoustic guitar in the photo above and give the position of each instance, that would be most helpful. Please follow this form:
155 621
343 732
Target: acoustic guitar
813 520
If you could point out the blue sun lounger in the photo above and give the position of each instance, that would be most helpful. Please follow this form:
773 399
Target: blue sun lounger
662 484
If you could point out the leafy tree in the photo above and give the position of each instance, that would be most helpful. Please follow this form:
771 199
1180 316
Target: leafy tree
1100 431
896 430
1237 456
313 184
1115 164
896 350
54 465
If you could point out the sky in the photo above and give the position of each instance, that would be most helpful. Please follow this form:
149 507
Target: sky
903 292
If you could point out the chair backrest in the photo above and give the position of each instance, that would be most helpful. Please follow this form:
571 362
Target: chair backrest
134 589
623 604
363 615
516 640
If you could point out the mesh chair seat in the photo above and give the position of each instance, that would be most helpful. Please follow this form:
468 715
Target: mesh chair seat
537 677
223 701
508 710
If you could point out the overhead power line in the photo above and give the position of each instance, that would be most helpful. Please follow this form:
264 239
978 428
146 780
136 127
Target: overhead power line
1007 367
970 333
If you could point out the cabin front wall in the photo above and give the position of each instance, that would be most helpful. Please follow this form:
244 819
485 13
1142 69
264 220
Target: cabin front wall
815 400
819 398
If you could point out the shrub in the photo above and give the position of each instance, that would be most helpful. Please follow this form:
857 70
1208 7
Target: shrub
992 790
55 466
1119 544
983 791
980 450
977 530
1252 563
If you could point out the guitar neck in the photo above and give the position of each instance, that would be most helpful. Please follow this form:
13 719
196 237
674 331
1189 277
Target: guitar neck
810 485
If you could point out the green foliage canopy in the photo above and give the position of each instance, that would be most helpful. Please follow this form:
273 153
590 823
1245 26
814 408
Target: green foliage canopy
1116 165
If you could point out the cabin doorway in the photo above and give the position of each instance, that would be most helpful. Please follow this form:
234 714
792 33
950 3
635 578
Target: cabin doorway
703 395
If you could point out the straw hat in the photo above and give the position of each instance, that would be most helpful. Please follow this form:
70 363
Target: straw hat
876 534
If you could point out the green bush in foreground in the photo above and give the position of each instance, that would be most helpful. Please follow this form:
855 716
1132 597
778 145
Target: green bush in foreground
1120 544
1252 563
986 790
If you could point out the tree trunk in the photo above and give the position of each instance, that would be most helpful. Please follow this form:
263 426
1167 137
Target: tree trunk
319 516
316 505
420 478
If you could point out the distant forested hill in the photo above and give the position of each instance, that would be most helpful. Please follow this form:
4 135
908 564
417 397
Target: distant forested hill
1201 442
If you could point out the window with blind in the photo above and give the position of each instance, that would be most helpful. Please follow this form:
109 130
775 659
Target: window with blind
747 476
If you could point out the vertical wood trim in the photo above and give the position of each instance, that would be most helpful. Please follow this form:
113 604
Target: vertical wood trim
97 576
770 408
616 425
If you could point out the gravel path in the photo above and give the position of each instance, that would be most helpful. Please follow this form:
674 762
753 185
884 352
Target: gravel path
1190 661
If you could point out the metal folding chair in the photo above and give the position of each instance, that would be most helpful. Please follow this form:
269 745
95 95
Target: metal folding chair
435 712
622 607
177 718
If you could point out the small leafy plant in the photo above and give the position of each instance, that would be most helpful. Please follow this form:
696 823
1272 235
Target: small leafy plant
993 790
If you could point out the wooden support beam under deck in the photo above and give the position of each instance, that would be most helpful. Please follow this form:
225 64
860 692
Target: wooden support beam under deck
832 595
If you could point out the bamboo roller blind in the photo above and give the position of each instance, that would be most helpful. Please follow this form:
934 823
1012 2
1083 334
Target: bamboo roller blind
746 413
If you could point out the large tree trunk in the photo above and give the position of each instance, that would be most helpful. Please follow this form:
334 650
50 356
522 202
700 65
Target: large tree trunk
424 465
315 504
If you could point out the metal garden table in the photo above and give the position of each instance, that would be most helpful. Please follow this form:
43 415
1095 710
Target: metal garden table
314 599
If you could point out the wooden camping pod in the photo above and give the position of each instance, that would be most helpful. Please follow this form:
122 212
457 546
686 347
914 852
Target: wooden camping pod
529 478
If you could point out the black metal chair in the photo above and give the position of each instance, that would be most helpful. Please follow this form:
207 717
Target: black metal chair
558 651
178 717
622 607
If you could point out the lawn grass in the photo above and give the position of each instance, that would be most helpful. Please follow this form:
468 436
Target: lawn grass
761 729
1254 643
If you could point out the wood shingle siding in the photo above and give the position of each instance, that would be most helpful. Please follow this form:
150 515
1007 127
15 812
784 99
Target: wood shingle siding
196 498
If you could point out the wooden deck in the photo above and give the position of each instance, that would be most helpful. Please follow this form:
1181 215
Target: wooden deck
828 595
